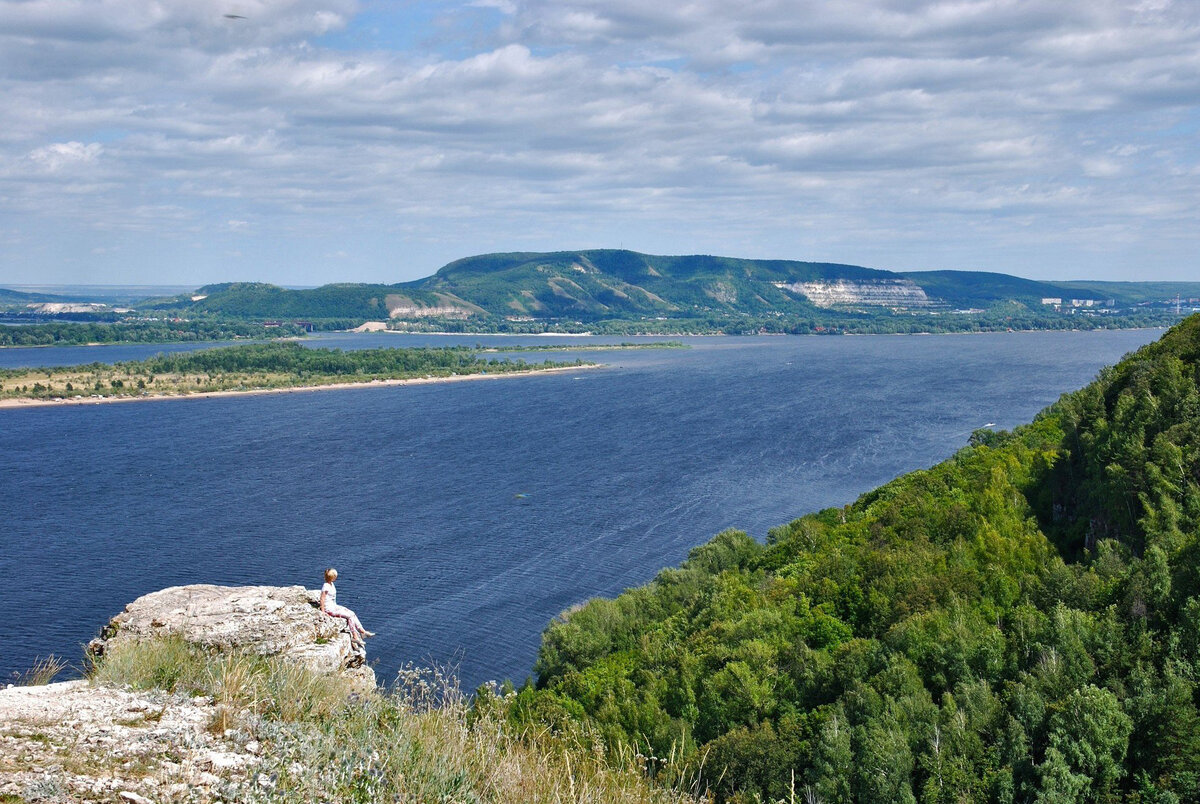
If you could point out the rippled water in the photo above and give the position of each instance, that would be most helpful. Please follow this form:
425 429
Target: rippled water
463 516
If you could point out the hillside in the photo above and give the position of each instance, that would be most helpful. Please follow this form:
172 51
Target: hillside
349 301
1018 623
968 288
613 282
617 291
17 298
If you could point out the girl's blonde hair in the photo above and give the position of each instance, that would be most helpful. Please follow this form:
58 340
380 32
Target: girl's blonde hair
330 574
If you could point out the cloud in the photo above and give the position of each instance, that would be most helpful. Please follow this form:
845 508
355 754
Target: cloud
893 133
60 156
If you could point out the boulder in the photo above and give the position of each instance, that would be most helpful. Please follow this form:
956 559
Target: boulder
280 621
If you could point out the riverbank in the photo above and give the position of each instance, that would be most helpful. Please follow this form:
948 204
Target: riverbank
28 402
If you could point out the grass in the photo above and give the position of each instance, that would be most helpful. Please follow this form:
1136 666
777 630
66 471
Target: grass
42 672
239 683
422 740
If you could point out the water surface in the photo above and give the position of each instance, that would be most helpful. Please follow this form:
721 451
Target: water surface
462 517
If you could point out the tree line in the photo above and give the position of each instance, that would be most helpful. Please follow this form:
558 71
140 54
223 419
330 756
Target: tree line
1020 623
252 367
67 333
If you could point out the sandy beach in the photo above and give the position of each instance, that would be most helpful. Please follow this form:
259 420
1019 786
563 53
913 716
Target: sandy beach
339 386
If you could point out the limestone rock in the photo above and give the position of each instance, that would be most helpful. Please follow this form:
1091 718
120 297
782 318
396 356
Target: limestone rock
268 620
74 741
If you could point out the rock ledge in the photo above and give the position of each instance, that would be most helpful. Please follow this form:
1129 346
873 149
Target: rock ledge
279 621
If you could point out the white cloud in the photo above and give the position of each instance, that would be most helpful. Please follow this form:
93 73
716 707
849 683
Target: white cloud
60 156
801 129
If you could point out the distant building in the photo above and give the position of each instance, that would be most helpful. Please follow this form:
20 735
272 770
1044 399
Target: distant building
1055 302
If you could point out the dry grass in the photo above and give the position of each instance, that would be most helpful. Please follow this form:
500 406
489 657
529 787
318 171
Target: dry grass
241 684
104 380
421 741
424 741
42 672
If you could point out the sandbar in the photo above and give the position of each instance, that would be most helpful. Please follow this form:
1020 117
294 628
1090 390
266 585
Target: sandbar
335 386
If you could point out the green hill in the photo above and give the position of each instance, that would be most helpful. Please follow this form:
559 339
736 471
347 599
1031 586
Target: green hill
623 291
347 300
613 282
586 285
980 288
18 298
1018 623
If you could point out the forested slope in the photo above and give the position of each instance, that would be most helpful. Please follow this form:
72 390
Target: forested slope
1018 623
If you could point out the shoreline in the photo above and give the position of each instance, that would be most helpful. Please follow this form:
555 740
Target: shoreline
300 339
9 404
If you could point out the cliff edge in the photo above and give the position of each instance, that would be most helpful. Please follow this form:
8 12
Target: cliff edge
281 621
88 740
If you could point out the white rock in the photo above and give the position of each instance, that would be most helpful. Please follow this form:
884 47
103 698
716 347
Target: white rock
267 620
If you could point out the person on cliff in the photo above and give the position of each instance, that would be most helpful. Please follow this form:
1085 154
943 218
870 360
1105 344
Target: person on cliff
330 606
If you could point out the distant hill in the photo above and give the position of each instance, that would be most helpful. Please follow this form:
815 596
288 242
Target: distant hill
607 285
362 301
608 282
18 297
979 288
580 284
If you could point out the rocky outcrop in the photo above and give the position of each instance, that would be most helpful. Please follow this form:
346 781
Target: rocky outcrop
85 742
877 292
76 742
279 621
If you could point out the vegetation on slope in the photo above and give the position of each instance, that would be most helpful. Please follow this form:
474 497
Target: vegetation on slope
354 301
421 741
967 288
252 367
1018 623
610 291
606 282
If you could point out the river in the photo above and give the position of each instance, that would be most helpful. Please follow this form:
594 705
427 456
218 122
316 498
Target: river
462 517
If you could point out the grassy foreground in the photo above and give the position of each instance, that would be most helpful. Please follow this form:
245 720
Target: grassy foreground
420 741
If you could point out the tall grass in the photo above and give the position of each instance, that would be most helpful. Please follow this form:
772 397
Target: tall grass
42 672
421 741
240 683
424 741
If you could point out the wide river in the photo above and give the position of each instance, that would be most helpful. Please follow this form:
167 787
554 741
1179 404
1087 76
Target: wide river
464 516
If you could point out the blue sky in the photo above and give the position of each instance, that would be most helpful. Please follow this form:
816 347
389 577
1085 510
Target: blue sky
313 141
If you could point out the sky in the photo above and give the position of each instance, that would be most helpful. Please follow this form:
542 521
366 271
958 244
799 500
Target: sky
302 142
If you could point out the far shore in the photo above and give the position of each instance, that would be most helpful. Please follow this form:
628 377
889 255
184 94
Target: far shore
361 329
337 386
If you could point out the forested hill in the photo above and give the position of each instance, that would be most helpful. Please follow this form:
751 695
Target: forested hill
1018 623
700 293
606 281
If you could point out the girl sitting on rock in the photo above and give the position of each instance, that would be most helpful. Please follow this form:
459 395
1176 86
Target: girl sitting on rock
330 606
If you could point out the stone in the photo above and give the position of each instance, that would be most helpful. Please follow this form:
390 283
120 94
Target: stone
280 621
122 744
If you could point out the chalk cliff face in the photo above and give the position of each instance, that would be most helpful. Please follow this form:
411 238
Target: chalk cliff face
268 620
876 292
